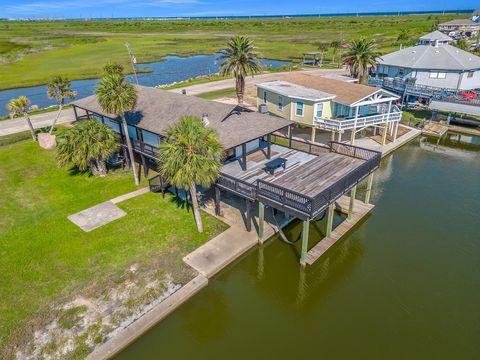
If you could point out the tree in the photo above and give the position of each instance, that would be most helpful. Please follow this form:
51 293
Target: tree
240 59
404 35
323 48
462 44
21 106
191 155
113 68
115 96
58 88
335 45
87 146
360 54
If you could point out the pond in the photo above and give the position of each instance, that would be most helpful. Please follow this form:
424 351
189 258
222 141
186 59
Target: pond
404 284
171 69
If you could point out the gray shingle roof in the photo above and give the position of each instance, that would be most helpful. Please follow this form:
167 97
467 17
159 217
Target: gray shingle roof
436 35
295 91
442 57
158 109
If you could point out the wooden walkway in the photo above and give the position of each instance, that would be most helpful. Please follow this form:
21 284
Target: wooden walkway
360 211
435 129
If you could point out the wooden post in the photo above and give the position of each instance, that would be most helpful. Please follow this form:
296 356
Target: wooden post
330 214
269 146
395 131
353 193
369 188
217 201
248 215
384 135
144 165
333 136
290 136
339 136
314 132
75 112
354 130
305 235
244 157
261 220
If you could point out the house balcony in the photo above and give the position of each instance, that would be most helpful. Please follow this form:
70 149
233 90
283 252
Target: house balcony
342 124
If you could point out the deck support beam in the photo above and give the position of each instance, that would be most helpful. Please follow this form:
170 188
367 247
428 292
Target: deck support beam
290 136
384 134
244 157
339 136
144 165
369 188
269 146
305 236
261 220
333 136
217 201
330 213
353 193
314 133
248 214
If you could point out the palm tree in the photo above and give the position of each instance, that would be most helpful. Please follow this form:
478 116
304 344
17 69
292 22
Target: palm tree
360 54
335 45
58 88
323 48
191 155
404 35
113 68
21 106
87 146
115 96
240 59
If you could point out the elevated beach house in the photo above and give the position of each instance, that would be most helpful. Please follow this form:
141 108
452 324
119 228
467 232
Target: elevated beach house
330 104
461 27
261 167
432 65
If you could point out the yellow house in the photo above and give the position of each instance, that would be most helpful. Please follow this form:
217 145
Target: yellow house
329 104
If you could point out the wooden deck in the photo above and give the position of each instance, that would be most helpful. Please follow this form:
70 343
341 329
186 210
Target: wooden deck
434 129
304 173
360 211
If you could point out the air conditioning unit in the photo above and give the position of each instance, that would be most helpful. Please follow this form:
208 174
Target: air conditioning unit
262 109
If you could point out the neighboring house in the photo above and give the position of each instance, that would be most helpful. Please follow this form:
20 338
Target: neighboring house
257 168
433 63
476 16
329 104
462 27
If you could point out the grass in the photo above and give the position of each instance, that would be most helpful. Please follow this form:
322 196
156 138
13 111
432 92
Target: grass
39 49
218 94
45 258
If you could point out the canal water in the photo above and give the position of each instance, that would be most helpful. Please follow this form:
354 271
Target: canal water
171 69
403 285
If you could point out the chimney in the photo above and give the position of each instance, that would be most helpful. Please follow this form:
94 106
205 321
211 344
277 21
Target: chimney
205 120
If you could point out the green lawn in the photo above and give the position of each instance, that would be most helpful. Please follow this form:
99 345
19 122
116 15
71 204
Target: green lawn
218 94
44 257
34 51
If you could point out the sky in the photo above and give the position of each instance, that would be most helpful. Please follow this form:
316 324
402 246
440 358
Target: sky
193 8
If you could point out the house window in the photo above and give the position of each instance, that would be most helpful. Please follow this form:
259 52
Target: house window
280 103
437 75
401 71
413 74
470 74
299 108
319 110
264 97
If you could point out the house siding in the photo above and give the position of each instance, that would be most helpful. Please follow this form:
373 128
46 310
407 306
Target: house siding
272 103
470 83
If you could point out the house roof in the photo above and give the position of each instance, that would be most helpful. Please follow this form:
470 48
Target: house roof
158 109
345 92
293 90
442 57
460 22
436 35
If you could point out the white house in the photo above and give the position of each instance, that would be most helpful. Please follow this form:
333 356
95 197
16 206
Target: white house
433 63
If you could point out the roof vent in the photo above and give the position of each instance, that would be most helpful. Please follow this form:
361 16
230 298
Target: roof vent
414 51
205 120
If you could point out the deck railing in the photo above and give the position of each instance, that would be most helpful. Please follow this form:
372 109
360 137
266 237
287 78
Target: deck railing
157 184
348 124
142 148
294 202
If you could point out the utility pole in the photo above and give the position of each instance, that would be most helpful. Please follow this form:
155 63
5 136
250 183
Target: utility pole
133 61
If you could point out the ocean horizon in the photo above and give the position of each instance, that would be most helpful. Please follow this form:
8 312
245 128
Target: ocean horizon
264 16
